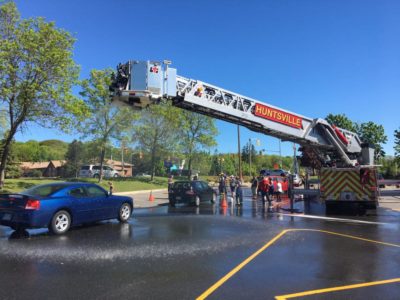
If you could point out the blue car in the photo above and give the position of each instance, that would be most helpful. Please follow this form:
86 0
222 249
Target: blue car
59 206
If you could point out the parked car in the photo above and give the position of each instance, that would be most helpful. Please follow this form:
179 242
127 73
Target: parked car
94 171
143 175
278 172
59 206
191 192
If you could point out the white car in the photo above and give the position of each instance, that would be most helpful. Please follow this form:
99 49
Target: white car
143 175
94 171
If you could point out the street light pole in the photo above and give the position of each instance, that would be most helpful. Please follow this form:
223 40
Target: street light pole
239 156
250 156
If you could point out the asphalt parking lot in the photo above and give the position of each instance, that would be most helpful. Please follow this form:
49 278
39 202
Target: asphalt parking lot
208 252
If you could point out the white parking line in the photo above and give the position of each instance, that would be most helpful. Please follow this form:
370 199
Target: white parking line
333 219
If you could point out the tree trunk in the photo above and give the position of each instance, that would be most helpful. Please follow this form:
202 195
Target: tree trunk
190 167
103 153
76 167
153 154
153 161
4 156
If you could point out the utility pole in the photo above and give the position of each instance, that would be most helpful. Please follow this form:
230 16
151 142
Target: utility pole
280 154
239 155
250 156
295 163
122 158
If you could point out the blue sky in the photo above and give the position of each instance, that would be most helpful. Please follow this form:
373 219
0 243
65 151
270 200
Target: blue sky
311 57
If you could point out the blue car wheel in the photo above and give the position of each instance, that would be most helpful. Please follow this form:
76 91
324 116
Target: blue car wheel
60 223
124 213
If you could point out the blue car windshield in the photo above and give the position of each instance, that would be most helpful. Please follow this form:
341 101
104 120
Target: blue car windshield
43 190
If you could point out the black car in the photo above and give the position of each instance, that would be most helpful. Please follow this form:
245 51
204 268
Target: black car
191 192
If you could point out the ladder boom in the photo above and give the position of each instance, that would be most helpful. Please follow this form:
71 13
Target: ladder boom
142 83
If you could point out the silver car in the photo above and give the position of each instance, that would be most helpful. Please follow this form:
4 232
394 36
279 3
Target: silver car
94 171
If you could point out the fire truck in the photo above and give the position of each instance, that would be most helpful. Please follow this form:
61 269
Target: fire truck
348 176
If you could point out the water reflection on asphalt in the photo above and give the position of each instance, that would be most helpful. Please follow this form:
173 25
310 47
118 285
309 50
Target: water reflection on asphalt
154 254
158 232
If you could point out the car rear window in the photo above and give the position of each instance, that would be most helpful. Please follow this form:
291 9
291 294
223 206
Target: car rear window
85 168
182 185
43 190
198 185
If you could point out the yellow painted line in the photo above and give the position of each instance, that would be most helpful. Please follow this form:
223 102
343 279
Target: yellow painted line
348 236
277 237
335 289
239 267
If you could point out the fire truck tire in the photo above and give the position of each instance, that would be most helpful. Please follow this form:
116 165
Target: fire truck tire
361 210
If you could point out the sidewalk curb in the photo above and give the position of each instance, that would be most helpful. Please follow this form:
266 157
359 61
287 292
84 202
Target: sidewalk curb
139 192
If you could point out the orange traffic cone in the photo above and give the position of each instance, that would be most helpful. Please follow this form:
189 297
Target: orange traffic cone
151 196
223 201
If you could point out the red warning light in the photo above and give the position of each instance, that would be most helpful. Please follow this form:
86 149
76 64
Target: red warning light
153 70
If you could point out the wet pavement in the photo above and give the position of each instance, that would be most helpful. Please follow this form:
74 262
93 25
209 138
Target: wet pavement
184 252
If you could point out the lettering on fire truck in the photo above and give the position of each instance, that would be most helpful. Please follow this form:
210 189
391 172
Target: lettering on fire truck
277 115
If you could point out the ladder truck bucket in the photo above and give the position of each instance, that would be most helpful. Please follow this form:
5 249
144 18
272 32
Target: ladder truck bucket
142 83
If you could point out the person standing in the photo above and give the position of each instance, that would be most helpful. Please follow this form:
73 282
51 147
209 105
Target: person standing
271 189
232 185
279 191
111 187
170 182
239 191
254 183
263 186
222 184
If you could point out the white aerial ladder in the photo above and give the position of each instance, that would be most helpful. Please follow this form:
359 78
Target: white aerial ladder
142 83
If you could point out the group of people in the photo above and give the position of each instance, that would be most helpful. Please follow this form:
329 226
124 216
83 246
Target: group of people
265 187
235 186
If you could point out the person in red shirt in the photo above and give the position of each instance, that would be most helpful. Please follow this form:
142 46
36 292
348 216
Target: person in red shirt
263 186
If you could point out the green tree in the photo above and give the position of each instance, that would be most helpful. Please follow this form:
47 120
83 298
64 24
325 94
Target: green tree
40 151
55 149
246 153
156 132
197 132
28 151
105 121
397 145
373 134
37 72
388 167
75 158
3 122
202 162
215 167
13 169
341 121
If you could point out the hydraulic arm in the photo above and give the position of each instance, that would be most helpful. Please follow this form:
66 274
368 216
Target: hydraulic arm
142 83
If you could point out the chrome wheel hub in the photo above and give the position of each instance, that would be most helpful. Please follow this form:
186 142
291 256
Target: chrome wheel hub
62 222
125 212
